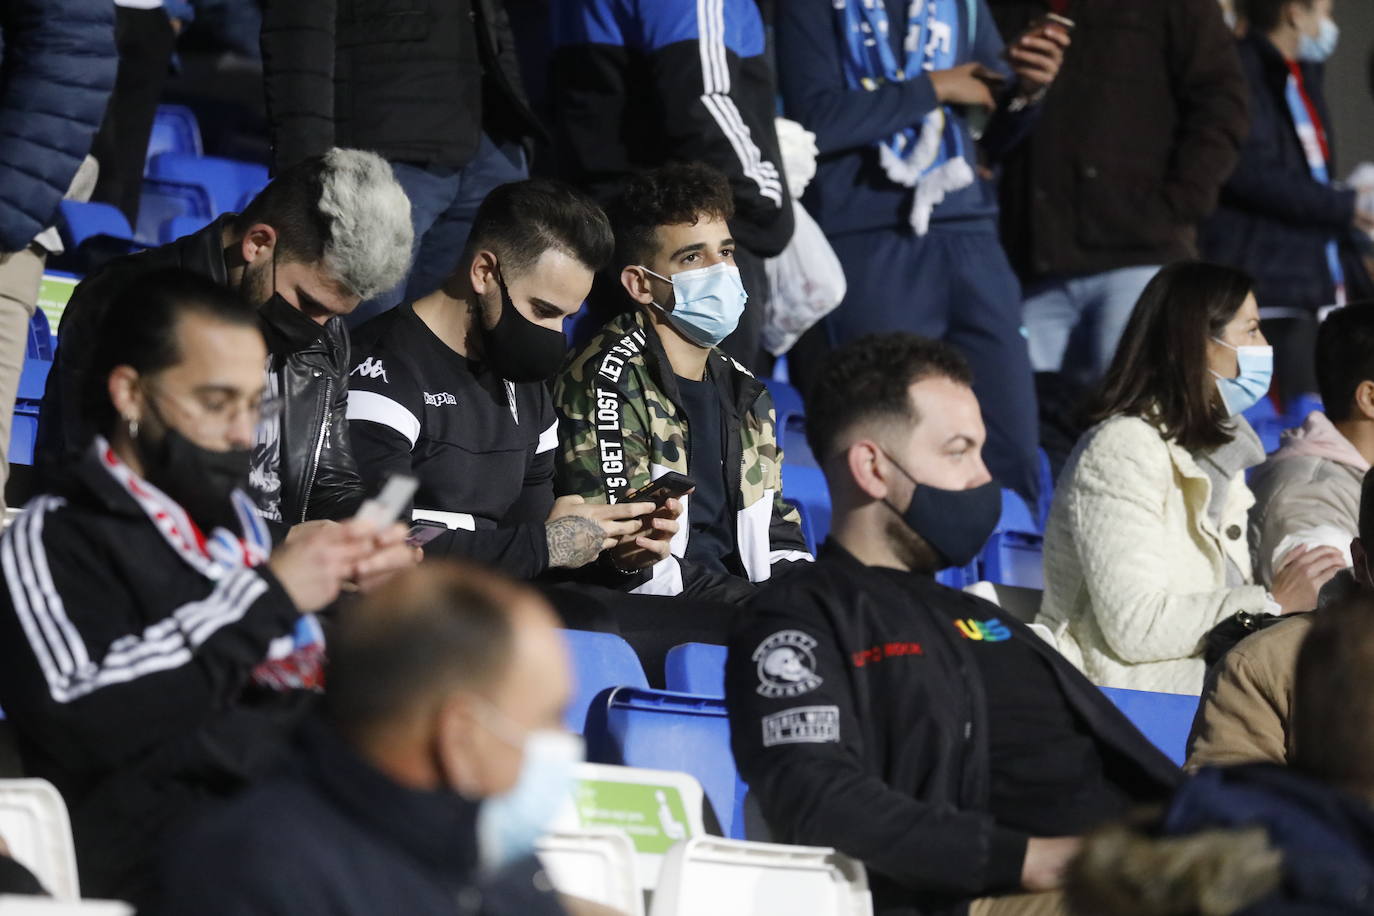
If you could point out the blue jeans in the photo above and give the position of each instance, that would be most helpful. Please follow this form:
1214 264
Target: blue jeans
443 204
1090 312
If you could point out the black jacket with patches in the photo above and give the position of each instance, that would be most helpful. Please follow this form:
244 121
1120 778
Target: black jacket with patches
318 477
859 719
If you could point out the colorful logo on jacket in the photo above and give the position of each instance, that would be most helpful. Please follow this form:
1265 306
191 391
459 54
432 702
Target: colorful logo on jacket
990 630
786 665
295 662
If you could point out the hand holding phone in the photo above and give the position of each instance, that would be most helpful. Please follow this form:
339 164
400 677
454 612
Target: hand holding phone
671 485
388 505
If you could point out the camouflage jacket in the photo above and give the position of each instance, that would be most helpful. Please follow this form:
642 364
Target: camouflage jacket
623 425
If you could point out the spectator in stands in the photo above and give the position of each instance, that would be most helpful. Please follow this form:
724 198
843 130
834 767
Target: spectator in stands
1264 840
1282 218
433 88
322 236
146 34
439 759
1120 170
915 727
641 84
453 390
653 392
153 643
1308 492
59 66
1246 709
1146 549
895 93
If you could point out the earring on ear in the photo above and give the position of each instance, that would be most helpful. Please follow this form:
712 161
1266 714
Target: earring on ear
133 426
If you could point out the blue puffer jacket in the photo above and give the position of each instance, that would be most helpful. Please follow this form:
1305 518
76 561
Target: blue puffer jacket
57 68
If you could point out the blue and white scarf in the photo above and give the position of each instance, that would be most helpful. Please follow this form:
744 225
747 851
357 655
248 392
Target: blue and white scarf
930 156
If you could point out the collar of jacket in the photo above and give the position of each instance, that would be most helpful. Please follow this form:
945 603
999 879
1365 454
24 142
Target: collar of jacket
1276 66
203 251
288 330
436 828
86 482
738 384
1195 476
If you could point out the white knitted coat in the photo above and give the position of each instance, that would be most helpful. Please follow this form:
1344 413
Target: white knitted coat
1135 571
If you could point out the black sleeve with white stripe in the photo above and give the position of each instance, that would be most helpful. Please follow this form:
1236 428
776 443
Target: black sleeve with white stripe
88 668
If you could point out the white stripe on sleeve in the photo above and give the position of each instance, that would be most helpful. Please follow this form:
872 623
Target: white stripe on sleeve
548 439
378 408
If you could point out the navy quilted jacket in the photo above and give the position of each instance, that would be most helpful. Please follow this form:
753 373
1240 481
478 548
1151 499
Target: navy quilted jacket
57 67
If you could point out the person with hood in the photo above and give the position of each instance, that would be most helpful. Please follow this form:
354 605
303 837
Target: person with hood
1308 492
1261 839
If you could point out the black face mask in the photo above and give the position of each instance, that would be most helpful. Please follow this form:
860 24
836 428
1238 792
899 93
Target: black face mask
200 480
955 523
520 350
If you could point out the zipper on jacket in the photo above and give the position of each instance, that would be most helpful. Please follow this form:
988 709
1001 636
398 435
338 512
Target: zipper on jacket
319 447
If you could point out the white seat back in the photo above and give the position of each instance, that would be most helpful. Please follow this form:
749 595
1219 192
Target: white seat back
34 824
710 876
597 865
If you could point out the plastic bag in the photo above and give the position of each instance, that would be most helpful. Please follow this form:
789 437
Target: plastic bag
807 283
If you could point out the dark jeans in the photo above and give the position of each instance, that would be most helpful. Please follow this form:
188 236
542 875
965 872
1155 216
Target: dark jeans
145 41
443 204
954 285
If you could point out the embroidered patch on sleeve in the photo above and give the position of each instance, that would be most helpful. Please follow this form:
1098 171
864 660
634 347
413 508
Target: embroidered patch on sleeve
802 725
786 665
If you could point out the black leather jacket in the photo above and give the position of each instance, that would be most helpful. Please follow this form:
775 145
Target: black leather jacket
319 477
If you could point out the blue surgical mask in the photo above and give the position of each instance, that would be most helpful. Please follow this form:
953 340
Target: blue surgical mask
1256 366
707 302
1318 50
508 825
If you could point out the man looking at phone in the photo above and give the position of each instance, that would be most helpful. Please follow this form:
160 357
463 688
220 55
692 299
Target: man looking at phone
652 393
451 390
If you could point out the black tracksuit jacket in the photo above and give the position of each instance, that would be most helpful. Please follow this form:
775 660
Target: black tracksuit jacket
874 738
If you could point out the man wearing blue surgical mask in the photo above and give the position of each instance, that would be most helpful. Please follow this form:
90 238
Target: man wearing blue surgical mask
437 762
652 393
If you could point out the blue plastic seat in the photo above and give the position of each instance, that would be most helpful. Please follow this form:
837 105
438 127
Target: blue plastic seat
1046 488
959 577
662 730
163 200
1267 423
600 660
175 130
805 487
23 435
41 343
1165 718
225 180
181 226
1014 553
1302 405
81 222
696 667
791 418
808 530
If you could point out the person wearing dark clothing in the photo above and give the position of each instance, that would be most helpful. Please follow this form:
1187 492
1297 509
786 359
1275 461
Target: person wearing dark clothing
302 280
437 761
432 87
914 727
637 85
1134 140
897 188
452 390
59 66
1282 217
155 644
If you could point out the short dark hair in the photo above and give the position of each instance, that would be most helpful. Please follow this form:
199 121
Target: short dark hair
1263 15
139 329
1345 357
522 220
869 380
1160 370
1333 695
436 628
674 194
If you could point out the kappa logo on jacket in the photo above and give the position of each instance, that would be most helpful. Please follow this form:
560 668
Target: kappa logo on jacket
786 665
990 630
442 399
371 368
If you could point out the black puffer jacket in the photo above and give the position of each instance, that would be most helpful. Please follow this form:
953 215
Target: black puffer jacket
411 80
319 477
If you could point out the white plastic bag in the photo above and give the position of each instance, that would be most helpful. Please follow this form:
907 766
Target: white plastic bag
807 283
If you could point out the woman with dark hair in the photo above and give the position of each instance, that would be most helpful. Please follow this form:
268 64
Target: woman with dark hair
1146 547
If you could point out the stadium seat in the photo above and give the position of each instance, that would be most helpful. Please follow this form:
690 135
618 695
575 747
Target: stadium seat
175 130
808 530
662 730
41 343
1302 405
225 180
791 418
180 227
709 875
958 577
594 864
23 437
1046 488
696 667
34 823
806 486
1165 718
600 660
81 222
163 200
1267 423
1013 555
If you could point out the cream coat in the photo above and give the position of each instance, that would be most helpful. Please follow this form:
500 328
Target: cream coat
1135 571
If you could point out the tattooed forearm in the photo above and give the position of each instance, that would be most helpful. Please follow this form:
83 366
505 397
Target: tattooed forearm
574 541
